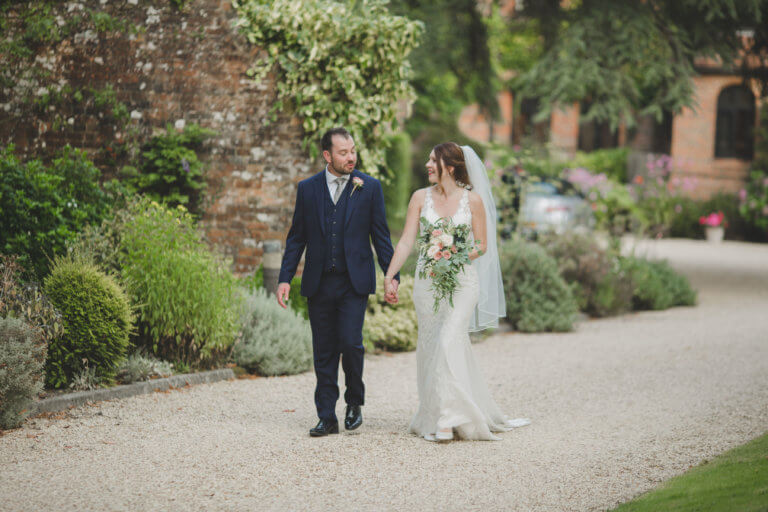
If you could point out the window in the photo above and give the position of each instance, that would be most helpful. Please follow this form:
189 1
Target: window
734 131
594 135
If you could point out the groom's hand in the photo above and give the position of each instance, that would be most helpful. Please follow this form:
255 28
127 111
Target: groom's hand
283 291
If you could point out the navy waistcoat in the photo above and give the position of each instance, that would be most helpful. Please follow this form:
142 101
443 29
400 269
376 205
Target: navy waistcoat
334 231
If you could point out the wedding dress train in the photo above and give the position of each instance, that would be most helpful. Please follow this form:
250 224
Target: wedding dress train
452 391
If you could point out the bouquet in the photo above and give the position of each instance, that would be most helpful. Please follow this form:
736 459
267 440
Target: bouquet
444 248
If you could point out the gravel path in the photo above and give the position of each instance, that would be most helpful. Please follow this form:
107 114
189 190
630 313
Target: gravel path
617 407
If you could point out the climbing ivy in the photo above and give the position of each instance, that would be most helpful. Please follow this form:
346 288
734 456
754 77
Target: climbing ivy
335 63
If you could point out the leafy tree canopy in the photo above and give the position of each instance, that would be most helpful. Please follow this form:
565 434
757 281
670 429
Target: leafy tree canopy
637 58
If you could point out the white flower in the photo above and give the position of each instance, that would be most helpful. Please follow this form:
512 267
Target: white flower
433 249
446 239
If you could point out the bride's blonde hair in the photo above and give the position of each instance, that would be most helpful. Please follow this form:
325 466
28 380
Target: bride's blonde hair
450 154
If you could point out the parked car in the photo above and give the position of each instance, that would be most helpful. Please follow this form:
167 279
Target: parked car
537 206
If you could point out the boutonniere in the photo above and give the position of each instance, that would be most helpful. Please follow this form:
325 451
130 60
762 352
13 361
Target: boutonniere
356 184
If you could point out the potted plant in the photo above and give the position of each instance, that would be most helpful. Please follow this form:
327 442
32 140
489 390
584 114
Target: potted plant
714 224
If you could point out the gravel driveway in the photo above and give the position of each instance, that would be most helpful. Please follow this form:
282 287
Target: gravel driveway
617 407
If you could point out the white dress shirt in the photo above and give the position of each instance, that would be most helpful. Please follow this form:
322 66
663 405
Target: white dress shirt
331 180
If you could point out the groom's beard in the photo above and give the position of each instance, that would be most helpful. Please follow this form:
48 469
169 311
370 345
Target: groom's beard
342 168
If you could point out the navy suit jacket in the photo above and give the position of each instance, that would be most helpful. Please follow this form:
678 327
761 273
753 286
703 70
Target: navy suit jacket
365 221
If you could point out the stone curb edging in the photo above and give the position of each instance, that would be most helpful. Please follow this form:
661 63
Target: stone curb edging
64 402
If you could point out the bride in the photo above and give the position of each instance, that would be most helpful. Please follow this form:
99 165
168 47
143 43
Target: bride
453 397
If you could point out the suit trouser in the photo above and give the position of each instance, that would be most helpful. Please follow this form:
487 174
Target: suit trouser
336 314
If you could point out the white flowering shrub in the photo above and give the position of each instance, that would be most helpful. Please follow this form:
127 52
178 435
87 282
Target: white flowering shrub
391 327
336 64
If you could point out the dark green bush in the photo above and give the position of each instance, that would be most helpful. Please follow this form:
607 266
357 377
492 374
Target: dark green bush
599 284
169 170
185 293
26 301
398 174
44 207
657 285
97 320
22 357
274 341
538 299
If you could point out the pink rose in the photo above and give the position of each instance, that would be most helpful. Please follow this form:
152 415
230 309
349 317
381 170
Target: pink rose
454 250
436 232
438 255
447 255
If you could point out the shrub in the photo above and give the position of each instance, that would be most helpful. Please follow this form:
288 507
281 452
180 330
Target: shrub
754 200
26 301
42 208
97 320
399 176
538 299
170 171
599 284
391 327
657 286
22 357
296 301
685 223
185 294
274 341
611 162
140 366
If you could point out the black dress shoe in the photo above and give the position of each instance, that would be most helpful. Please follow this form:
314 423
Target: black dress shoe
323 428
353 418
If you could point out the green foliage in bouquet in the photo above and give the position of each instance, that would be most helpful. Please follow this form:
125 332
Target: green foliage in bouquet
43 207
445 248
170 171
538 299
656 285
97 319
335 63
391 326
273 341
22 357
185 294
26 301
600 285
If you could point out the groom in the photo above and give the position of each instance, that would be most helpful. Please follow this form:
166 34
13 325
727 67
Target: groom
338 212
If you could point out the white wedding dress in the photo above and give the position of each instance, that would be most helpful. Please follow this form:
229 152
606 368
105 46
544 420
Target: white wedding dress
452 392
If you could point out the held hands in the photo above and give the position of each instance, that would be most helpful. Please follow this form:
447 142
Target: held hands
283 291
390 290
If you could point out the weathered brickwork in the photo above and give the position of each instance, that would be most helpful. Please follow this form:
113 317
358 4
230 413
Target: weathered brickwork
692 144
186 67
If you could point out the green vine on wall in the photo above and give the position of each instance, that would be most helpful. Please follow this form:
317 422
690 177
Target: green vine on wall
336 63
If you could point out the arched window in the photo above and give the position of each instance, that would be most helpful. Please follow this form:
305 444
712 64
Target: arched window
734 132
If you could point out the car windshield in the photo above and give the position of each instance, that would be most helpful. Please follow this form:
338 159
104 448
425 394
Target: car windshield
546 188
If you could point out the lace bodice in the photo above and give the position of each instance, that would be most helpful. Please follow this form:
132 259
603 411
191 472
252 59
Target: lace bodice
463 214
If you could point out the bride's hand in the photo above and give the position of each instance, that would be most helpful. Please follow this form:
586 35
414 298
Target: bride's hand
390 290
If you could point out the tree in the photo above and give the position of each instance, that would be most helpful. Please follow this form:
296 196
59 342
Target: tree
637 58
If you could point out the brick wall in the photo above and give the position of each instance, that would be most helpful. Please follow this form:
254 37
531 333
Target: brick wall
186 67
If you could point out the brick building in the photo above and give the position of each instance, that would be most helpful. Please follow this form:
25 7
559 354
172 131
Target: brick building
713 143
178 68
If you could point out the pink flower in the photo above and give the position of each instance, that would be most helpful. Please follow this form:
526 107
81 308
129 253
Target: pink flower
743 195
454 250
438 255
447 255
436 232
713 219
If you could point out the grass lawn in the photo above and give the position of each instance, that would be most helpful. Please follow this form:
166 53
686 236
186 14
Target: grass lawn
734 481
